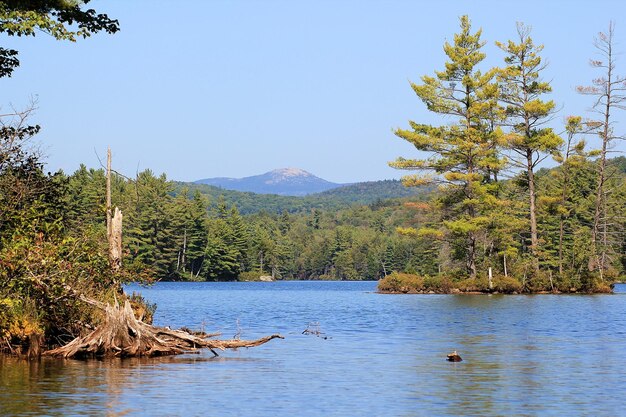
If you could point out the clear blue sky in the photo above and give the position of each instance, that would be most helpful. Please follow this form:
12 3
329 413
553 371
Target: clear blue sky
234 88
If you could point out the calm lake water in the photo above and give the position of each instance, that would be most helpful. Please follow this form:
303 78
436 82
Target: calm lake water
381 355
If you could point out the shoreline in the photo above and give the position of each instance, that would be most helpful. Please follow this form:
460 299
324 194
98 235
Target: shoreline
459 292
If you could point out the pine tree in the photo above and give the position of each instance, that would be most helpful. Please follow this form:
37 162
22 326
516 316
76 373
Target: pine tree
150 232
464 153
221 260
526 115
571 158
197 240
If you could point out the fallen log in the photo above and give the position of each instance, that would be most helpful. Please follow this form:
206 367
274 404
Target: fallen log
122 335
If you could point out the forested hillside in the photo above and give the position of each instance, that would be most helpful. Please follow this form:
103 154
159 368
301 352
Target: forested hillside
184 235
341 197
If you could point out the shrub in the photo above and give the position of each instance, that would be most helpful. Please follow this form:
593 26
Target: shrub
142 309
20 326
506 285
538 281
399 282
438 284
250 276
478 284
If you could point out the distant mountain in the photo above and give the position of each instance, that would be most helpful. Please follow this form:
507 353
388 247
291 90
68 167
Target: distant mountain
285 181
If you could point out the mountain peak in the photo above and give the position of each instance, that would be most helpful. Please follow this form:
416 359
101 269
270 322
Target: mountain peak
291 172
283 181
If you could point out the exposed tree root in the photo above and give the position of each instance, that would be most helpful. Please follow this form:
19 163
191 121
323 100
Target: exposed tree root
122 335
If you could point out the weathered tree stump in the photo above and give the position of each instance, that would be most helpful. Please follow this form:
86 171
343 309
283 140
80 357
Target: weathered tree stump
122 335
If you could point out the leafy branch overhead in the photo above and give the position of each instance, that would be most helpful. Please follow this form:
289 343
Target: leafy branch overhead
62 19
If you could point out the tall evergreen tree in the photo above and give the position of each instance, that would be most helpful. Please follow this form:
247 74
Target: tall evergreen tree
527 114
151 235
464 155
571 158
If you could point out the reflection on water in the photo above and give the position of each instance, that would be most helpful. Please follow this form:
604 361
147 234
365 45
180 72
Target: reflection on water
385 355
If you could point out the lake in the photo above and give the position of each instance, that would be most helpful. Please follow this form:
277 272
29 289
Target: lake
378 355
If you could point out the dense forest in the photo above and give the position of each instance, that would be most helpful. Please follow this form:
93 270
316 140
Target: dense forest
180 234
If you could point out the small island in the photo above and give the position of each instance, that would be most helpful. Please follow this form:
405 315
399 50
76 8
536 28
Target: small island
400 283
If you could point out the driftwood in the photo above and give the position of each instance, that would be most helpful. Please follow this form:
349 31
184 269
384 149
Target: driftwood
122 335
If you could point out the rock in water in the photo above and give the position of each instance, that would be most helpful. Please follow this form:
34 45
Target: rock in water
454 357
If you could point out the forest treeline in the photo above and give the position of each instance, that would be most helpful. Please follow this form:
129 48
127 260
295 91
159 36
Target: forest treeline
183 235
180 234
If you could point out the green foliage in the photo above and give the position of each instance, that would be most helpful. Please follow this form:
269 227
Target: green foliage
411 283
401 283
18 320
497 119
372 193
61 19
522 89
463 156
46 272
183 236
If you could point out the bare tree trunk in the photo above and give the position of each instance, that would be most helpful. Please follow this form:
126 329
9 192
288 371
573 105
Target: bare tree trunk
114 223
533 199
115 242
109 212
471 257
609 94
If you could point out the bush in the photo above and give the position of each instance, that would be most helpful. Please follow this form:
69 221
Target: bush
250 276
601 287
506 285
478 284
20 326
438 284
142 309
568 282
399 282
538 281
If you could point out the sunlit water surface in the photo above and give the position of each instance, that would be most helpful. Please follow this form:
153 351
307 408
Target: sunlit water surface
379 355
